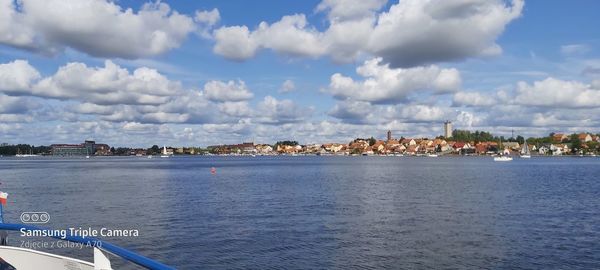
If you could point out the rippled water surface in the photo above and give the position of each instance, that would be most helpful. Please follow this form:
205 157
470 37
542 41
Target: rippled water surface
324 212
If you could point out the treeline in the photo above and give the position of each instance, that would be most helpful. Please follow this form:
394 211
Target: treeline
482 136
11 150
290 143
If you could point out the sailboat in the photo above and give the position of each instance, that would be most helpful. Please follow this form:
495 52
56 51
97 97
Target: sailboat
19 153
525 153
25 155
164 153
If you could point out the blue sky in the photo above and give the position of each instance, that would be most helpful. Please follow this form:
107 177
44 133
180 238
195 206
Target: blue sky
210 72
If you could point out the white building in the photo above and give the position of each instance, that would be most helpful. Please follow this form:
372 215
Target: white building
447 129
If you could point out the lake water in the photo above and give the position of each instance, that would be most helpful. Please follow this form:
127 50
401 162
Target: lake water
323 212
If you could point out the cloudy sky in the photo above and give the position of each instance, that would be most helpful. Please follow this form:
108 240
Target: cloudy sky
129 73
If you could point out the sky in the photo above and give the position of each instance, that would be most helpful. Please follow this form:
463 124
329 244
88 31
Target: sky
198 73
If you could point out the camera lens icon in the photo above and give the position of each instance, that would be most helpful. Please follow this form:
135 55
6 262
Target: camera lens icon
35 217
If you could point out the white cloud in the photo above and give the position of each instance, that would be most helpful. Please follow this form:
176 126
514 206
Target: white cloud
208 17
110 84
357 112
383 84
287 86
236 109
227 91
273 111
17 76
207 20
423 113
340 10
234 43
410 33
289 36
475 99
414 32
553 92
96 27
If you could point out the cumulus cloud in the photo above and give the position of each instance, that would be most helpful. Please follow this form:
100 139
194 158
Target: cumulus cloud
340 10
287 86
227 91
110 84
236 109
289 36
424 113
410 33
553 92
475 99
17 76
207 20
415 32
273 111
208 17
357 112
96 27
15 105
383 84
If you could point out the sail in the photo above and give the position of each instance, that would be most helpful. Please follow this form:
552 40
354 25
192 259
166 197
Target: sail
525 149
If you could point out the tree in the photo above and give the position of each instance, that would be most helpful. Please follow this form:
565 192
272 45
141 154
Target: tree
575 143
520 139
372 141
291 143
154 150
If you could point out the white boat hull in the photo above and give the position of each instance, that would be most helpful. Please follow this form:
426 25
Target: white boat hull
503 159
22 258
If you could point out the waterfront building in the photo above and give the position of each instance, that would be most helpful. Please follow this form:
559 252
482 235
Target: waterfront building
389 135
86 148
69 150
447 129
89 145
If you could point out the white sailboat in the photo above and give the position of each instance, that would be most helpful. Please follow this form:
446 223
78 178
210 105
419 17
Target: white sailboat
25 155
525 153
164 153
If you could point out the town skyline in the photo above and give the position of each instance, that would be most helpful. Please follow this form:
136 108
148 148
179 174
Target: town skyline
204 73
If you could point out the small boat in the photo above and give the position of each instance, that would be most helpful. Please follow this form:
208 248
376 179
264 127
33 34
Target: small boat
503 158
87 156
432 155
149 156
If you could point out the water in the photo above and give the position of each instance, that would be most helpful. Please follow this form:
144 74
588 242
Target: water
324 212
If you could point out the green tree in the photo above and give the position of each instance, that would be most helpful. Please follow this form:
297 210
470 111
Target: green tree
154 150
520 139
575 143
291 143
372 141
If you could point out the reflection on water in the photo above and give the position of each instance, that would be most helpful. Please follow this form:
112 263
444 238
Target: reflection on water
324 212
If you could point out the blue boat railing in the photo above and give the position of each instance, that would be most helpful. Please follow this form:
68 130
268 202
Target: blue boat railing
106 246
